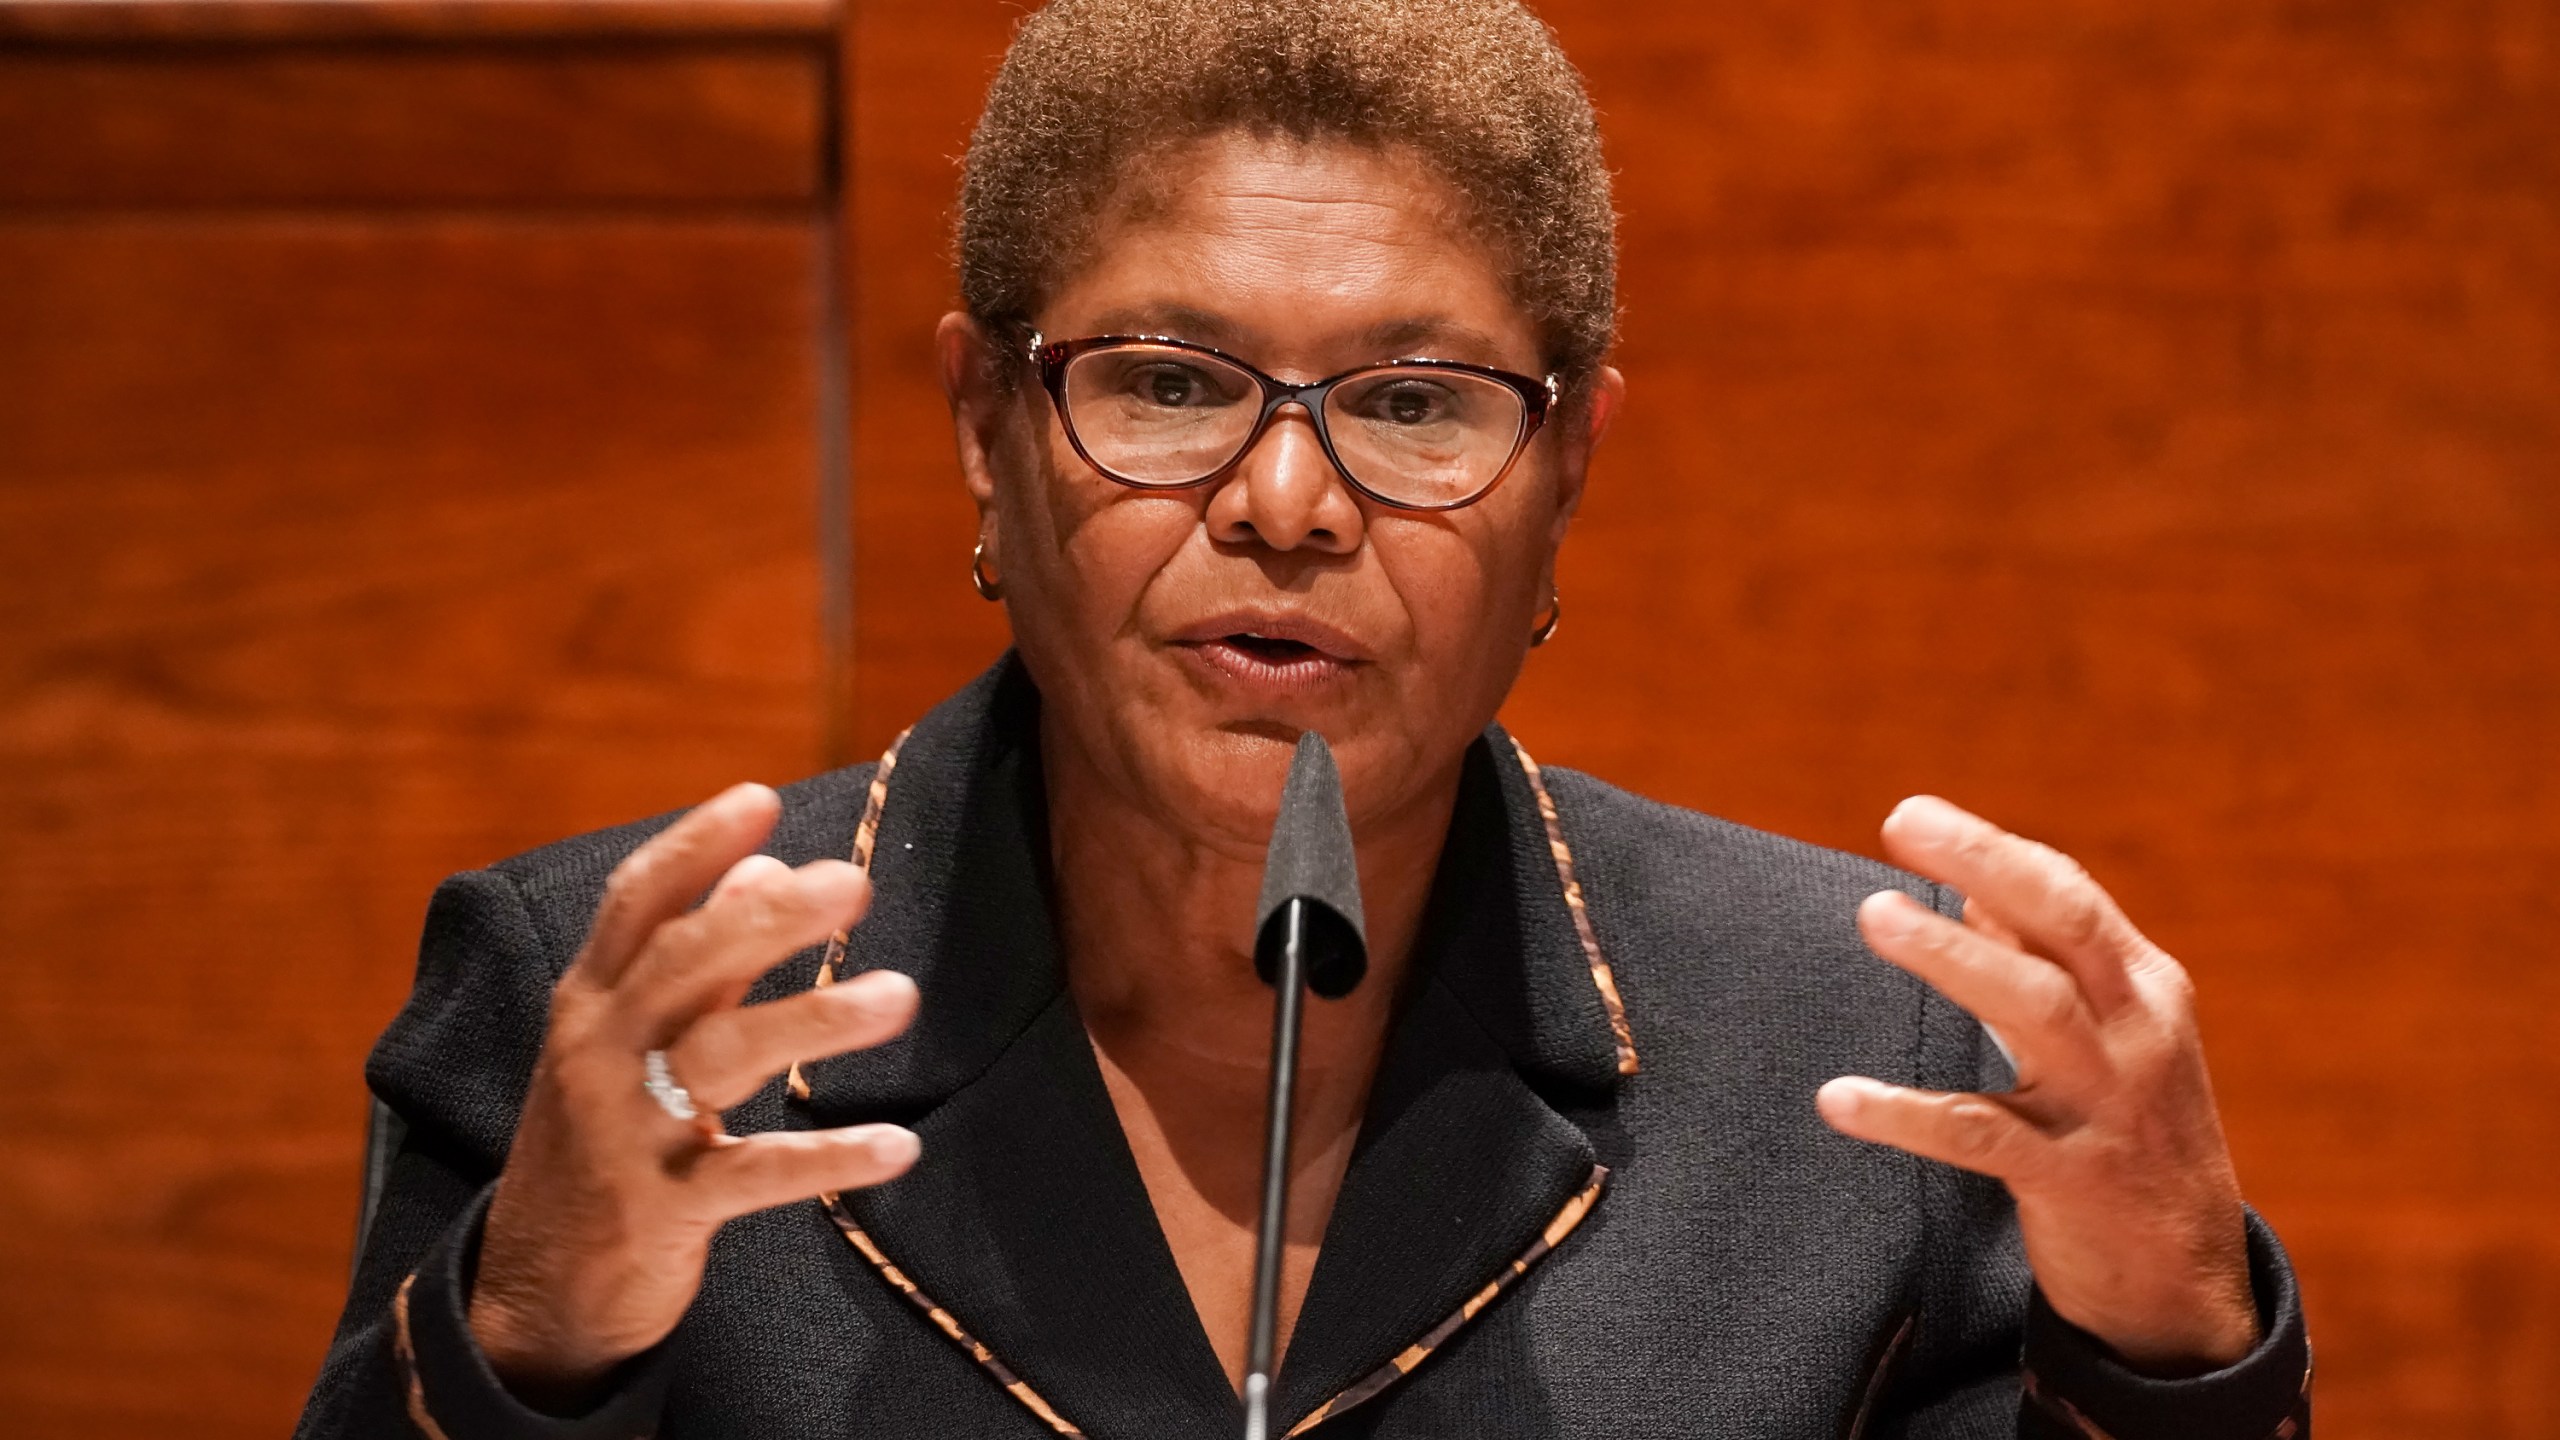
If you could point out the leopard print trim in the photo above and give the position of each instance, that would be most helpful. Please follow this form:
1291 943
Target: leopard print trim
1365 1389
2061 1409
942 1319
1438 1335
1361 1391
1371 1385
1881 1373
1601 975
865 834
404 1352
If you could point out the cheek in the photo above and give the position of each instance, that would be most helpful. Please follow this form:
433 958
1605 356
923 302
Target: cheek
1120 546
1445 578
1471 585
1089 548
1467 579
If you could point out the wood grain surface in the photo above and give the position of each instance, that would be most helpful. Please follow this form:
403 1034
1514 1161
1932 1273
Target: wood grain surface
2140 422
510 538
407 456
722 123
198 22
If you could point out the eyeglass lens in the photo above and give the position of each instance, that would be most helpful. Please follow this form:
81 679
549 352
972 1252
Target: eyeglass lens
1417 435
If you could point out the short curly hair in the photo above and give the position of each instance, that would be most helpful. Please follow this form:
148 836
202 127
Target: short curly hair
1477 89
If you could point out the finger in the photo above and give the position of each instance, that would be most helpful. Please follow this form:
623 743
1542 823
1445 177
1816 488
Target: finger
738 1175
1972 1132
1981 921
663 878
2038 892
762 911
727 1055
2035 1008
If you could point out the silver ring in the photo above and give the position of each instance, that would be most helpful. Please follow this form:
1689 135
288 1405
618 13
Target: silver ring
661 1084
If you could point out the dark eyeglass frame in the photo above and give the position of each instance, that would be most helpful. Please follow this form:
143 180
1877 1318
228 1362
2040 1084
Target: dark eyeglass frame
1538 398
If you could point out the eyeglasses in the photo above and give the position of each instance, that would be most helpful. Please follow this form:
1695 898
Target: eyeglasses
1165 414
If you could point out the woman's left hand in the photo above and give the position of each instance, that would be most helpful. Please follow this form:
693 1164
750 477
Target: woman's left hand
2126 1196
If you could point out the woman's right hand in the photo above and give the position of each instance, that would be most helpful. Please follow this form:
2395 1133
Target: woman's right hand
604 1214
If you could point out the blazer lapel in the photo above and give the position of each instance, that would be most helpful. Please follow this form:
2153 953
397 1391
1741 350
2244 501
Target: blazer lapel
1459 1171
1032 1229
1464 1174
1028 1235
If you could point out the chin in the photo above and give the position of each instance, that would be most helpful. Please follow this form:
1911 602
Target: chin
1208 757
1224 769
1229 779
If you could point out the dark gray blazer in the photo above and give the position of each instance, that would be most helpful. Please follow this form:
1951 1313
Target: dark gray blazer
1590 1197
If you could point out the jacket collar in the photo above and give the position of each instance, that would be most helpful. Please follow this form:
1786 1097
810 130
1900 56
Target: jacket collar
960 901
1028 1225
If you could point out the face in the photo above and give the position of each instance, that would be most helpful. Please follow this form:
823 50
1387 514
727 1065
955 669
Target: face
1183 639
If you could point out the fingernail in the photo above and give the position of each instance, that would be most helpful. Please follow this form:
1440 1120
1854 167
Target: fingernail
1925 816
1845 1096
891 1145
881 989
831 879
1839 1098
745 792
1896 914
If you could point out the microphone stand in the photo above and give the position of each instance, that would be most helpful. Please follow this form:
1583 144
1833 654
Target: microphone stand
1309 934
1270 1235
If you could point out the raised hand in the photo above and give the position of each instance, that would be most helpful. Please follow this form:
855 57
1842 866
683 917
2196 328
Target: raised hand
2110 1143
604 1214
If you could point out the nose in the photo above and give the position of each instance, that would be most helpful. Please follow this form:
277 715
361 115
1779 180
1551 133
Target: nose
1284 494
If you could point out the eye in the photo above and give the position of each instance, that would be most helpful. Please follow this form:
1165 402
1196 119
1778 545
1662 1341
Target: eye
1174 386
1411 402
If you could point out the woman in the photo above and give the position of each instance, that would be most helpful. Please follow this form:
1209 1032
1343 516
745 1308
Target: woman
1280 372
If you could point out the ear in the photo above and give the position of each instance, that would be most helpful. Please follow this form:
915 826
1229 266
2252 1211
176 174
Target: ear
1587 422
980 409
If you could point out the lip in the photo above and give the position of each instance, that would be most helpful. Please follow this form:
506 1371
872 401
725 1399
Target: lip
1211 648
1328 642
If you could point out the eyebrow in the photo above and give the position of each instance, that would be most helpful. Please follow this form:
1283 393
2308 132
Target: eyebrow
1181 322
1437 332
1445 338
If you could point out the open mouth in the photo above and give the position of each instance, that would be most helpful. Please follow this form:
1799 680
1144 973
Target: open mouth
1271 650
1250 655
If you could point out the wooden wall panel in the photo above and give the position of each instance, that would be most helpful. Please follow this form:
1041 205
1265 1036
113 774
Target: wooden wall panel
2138 422
511 537
919 72
694 123
417 22
409 453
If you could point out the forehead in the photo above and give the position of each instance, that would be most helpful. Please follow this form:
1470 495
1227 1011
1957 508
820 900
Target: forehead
1294 252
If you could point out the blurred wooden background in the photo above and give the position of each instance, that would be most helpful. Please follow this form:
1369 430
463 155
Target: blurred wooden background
2140 422
412 420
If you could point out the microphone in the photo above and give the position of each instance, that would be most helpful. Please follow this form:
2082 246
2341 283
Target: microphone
1308 934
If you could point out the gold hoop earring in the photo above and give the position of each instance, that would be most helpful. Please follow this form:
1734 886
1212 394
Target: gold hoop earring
1555 617
988 589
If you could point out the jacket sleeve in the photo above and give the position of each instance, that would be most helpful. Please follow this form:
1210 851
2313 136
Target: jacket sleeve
2075 1389
1986 1359
454 1065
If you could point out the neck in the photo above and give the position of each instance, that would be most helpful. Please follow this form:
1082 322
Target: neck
1155 927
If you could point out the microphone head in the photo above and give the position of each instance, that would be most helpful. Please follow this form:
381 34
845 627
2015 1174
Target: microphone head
1311 859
